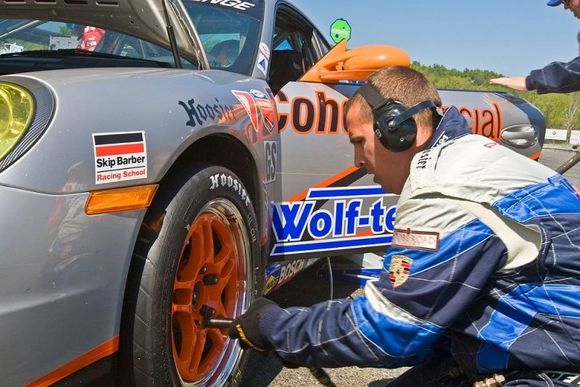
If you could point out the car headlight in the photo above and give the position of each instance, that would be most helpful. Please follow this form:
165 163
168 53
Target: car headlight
17 108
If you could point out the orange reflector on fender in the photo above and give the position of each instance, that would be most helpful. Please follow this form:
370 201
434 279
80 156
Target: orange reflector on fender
120 199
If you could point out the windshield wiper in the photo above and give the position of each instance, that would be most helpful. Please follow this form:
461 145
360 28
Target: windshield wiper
73 52
62 53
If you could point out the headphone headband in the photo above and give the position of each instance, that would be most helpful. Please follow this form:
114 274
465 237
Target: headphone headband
377 101
372 96
410 112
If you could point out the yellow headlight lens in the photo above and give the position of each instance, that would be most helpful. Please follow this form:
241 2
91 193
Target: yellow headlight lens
16 113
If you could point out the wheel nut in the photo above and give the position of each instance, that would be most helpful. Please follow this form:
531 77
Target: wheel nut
210 279
196 293
207 311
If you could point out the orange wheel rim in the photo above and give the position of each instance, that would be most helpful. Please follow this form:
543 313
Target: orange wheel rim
207 278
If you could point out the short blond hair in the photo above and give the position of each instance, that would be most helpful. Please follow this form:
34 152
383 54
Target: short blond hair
402 84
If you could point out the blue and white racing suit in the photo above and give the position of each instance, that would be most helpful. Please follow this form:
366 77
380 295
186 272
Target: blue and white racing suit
484 267
556 77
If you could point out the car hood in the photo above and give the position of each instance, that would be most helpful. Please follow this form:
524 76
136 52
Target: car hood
144 19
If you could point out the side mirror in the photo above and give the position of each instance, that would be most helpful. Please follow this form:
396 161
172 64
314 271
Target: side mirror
340 64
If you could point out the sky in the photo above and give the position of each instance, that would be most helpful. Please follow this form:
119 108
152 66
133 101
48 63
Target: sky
510 37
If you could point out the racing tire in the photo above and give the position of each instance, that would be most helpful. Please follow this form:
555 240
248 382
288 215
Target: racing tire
197 255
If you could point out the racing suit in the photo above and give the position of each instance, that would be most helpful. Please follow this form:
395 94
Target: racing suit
484 267
557 77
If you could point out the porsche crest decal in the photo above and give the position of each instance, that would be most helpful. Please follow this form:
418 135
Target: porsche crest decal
399 269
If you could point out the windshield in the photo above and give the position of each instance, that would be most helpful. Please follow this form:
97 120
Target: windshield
229 32
46 36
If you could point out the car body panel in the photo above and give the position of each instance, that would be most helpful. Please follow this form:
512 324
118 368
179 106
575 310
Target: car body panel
58 280
164 118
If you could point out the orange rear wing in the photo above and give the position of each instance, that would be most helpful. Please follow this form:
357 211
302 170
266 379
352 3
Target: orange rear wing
340 64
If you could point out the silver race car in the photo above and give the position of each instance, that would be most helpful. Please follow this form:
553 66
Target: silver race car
165 161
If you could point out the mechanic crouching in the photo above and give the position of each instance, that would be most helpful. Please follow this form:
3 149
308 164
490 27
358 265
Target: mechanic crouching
481 284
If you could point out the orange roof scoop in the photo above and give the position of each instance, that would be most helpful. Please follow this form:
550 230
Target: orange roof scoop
340 64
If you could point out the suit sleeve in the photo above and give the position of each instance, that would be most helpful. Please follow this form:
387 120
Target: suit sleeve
557 77
402 318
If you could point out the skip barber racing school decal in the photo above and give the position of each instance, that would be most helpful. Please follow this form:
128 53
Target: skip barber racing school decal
119 157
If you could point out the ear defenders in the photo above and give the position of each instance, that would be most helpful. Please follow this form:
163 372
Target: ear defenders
393 122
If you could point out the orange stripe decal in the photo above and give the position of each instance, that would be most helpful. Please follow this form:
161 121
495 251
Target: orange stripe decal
107 348
365 234
325 183
111 150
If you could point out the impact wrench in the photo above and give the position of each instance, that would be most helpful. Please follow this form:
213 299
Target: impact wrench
224 323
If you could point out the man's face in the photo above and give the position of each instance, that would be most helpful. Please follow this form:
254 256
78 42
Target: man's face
573 6
390 169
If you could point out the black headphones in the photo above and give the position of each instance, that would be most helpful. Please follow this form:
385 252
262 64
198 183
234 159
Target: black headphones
394 124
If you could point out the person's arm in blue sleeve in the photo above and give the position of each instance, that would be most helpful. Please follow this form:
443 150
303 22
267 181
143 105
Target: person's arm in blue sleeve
557 77
402 314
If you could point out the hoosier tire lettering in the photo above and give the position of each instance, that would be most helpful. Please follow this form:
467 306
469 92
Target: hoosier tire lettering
222 180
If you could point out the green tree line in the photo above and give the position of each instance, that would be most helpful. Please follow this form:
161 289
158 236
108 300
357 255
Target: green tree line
561 110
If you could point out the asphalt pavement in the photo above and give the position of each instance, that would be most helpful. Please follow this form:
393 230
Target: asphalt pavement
313 286
554 157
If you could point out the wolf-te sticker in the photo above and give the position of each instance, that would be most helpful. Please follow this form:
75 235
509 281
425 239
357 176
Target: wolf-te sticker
119 156
305 227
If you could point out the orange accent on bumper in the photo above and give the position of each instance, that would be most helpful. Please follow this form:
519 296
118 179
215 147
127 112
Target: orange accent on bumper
107 348
325 183
120 199
536 156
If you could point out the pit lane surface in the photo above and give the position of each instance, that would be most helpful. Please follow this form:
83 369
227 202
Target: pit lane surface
268 371
553 158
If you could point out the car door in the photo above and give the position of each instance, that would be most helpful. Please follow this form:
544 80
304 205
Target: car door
328 207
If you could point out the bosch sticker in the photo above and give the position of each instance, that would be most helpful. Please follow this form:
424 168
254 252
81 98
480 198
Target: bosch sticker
119 157
299 227
278 274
